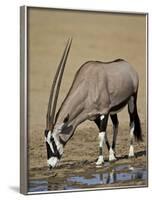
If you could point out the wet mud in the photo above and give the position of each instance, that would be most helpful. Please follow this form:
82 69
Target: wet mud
112 175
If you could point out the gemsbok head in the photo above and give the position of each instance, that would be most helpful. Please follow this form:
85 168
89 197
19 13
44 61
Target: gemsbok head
99 90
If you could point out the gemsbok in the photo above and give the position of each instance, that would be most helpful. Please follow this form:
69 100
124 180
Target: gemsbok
99 90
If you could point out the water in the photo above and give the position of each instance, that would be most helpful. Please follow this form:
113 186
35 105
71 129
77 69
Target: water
91 179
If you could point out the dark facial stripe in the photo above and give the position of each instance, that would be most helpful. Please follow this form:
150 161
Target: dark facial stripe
49 152
56 152
53 144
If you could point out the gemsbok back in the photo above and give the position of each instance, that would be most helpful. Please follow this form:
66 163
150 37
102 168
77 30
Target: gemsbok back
99 90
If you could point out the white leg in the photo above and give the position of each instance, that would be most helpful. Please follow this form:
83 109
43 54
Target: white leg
131 110
111 151
101 142
100 160
131 149
111 155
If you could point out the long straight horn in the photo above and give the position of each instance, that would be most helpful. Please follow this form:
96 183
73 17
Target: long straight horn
56 88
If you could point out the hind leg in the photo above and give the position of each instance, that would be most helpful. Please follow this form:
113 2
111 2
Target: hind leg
101 122
131 108
131 148
115 122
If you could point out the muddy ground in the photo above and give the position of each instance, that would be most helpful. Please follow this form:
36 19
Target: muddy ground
96 36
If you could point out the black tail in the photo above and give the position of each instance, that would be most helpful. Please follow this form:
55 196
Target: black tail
137 128
134 118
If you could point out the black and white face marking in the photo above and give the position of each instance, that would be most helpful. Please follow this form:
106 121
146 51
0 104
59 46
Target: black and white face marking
54 148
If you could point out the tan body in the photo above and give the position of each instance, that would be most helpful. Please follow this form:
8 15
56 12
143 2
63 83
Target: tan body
96 89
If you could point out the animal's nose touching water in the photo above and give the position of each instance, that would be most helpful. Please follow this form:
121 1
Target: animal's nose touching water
99 91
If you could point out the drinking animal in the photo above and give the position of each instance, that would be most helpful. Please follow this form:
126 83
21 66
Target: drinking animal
99 90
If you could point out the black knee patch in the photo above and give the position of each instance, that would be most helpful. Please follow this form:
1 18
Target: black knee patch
103 123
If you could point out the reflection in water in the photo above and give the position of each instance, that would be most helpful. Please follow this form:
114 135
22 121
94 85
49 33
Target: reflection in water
118 174
38 185
110 177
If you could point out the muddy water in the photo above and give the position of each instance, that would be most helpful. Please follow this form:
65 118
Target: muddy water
94 178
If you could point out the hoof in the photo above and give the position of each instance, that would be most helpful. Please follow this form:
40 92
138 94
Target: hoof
100 161
113 159
131 156
131 152
112 156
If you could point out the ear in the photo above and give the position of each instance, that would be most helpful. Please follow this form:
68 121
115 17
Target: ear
66 119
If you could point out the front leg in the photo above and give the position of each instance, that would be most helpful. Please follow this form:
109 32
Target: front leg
115 122
102 137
